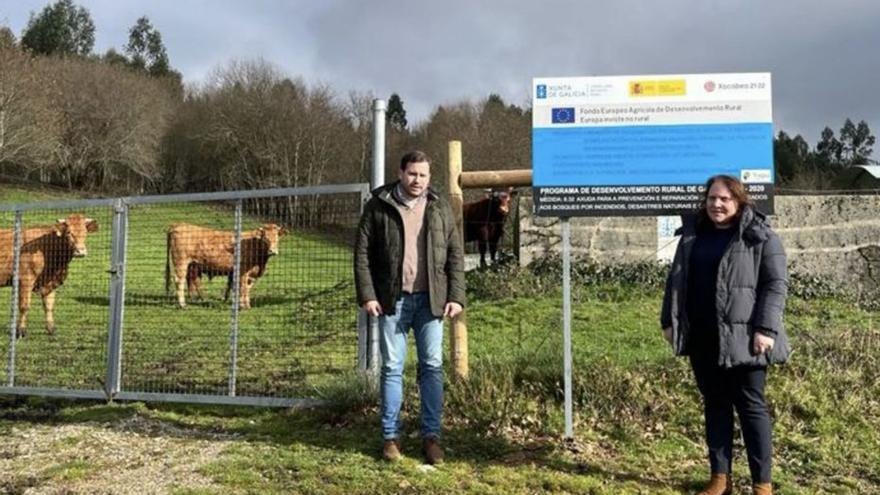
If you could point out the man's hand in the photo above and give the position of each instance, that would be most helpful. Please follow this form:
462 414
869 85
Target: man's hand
667 334
452 309
373 308
762 343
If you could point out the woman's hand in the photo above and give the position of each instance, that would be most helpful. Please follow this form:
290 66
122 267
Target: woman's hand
667 334
762 343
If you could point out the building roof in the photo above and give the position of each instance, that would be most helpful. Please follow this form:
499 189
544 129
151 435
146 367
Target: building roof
859 177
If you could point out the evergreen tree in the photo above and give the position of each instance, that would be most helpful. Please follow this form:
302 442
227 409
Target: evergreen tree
828 150
791 155
61 28
146 50
396 115
855 143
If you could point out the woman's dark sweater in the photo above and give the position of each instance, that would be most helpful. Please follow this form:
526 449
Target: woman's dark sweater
706 254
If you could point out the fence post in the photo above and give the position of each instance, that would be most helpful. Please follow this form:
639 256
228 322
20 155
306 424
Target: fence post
516 235
13 305
377 178
566 325
458 343
118 238
236 278
368 333
363 325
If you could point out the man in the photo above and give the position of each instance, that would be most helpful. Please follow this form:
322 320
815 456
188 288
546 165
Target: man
409 272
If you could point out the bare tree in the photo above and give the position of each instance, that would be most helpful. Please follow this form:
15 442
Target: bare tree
494 136
29 124
360 112
266 129
113 125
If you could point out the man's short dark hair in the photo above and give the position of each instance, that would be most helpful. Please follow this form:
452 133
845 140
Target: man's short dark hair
414 157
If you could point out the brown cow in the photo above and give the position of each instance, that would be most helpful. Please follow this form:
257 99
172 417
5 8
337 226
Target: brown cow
194 280
193 250
484 221
45 256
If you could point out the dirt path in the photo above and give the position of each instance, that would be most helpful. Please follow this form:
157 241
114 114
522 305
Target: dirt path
135 455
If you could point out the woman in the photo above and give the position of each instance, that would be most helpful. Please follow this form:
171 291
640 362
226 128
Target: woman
723 307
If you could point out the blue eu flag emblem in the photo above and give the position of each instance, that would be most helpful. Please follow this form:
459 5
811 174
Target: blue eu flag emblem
562 115
542 91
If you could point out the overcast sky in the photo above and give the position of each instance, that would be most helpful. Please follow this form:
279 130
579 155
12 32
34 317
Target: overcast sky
823 55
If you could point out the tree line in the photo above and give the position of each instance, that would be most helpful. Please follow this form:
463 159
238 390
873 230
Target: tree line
800 167
123 123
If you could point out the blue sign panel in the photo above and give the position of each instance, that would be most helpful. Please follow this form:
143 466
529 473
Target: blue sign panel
645 145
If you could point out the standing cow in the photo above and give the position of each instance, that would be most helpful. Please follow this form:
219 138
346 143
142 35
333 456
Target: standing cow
46 252
194 281
193 250
484 221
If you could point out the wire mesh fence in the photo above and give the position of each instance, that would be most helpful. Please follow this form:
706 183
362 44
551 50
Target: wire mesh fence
224 295
59 308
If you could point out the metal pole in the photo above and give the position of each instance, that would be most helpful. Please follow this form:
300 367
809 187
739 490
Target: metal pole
458 344
119 234
378 175
13 305
236 278
377 179
566 323
516 230
375 358
364 326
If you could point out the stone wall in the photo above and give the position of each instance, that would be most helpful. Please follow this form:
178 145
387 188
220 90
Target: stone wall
837 237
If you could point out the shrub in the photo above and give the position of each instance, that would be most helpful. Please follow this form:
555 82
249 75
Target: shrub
806 286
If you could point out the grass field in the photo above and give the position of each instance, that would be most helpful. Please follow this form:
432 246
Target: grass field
638 424
300 331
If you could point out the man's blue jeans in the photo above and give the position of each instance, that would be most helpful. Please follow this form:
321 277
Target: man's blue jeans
411 311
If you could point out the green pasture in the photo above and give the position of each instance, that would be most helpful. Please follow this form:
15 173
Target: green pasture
637 426
300 332
638 423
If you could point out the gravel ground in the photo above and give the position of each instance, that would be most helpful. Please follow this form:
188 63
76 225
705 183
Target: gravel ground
136 455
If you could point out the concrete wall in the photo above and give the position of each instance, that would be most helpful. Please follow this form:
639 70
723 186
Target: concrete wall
837 237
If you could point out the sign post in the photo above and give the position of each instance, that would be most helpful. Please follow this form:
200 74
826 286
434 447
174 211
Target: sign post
644 146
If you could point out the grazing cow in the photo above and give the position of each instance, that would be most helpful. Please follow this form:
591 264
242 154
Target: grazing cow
46 252
195 250
484 221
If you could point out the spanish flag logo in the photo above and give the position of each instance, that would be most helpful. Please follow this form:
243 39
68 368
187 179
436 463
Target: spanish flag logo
657 87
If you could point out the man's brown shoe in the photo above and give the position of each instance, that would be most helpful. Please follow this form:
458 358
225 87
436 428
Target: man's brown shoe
431 449
391 450
719 484
762 489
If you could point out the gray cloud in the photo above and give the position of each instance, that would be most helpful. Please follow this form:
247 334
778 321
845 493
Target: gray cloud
820 54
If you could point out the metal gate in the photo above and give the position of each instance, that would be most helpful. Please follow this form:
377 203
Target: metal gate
264 277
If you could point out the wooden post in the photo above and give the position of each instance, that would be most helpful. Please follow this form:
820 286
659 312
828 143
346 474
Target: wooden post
497 178
458 344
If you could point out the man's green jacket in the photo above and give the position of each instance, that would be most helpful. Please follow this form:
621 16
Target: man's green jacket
378 254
